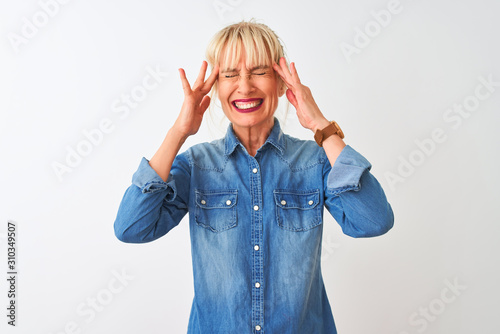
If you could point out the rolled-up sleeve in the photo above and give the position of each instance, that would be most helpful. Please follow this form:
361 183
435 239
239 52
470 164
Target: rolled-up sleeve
151 207
355 198
149 181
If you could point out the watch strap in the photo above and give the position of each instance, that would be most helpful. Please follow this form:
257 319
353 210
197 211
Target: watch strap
330 130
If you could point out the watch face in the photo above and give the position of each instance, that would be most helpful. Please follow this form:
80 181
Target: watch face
340 133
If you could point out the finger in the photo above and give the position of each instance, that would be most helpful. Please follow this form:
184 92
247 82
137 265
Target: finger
288 75
278 70
284 66
211 79
294 73
286 78
204 103
201 74
291 97
185 83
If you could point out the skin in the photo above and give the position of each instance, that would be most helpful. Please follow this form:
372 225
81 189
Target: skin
252 129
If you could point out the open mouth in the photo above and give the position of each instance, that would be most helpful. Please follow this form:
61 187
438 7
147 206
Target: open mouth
247 105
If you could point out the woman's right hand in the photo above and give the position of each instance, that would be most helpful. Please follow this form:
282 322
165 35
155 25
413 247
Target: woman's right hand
196 101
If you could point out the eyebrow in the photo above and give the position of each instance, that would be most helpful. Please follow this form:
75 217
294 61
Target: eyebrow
258 67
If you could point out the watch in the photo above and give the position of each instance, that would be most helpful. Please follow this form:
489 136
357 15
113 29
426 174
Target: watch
330 130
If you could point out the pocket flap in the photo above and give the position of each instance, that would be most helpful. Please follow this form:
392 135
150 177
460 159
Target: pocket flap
213 199
290 199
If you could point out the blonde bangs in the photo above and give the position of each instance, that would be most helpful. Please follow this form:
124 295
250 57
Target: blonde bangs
259 43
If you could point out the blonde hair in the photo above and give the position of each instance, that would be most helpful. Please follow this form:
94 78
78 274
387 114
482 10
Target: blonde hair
261 46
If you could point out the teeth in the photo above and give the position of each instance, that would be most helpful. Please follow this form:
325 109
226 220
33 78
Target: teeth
247 105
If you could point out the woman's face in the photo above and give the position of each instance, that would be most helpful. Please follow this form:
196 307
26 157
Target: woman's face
249 96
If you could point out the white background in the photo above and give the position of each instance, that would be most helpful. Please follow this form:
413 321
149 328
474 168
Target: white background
64 78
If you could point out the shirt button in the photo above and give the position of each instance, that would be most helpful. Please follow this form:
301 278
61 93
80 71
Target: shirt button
256 247
257 285
256 208
203 202
311 202
283 202
254 170
228 202
258 328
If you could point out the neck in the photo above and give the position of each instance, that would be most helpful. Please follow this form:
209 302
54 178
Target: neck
253 137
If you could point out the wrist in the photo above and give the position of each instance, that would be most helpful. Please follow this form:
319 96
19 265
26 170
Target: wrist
180 130
331 130
177 135
320 125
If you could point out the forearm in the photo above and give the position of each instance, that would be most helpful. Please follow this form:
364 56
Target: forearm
333 145
163 159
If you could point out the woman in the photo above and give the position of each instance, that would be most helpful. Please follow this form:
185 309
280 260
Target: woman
255 197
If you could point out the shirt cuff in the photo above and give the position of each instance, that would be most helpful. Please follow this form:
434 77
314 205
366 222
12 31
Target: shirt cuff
346 172
149 181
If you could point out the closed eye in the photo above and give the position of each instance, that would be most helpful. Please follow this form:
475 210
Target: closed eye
229 76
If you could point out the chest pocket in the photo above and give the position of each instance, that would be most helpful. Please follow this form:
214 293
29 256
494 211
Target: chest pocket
297 210
216 209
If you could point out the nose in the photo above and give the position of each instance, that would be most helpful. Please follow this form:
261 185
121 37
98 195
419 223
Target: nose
245 84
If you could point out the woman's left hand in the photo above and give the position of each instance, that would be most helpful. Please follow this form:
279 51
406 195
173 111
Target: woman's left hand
301 98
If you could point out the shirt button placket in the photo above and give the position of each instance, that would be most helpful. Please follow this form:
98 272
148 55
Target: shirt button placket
257 267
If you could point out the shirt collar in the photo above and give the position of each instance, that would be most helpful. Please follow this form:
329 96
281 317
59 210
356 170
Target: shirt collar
276 138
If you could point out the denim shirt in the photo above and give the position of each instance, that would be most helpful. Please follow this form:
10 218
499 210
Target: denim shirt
256 227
